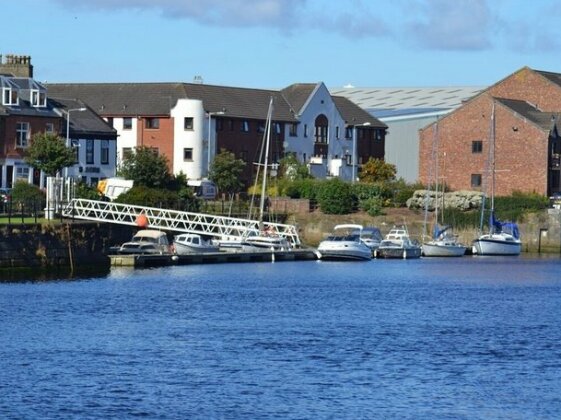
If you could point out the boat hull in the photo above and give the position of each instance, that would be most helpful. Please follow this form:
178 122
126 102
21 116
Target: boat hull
341 255
182 249
443 250
403 253
496 246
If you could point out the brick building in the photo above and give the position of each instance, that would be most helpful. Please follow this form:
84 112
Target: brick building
521 113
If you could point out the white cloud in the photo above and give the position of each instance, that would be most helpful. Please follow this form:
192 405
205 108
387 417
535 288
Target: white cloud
449 25
276 13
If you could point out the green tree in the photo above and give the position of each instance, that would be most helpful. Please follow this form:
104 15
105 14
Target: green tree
376 170
48 153
336 197
293 170
226 172
146 168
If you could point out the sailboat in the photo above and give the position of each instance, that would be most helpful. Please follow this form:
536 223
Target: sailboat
503 238
442 243
266 239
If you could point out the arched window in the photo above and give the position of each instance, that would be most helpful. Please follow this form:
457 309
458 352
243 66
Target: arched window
321 124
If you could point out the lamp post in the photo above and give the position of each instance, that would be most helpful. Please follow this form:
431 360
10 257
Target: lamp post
355 157
68 111
210 114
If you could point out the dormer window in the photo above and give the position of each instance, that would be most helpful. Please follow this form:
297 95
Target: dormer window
10 96
38 98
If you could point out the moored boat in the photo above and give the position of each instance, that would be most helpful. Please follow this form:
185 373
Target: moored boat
191 243
345 243
444 244
398 244
147 241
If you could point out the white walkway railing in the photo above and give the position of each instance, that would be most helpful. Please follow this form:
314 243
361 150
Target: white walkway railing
172 220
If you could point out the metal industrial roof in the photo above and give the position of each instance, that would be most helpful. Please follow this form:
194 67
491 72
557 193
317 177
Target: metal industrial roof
379 100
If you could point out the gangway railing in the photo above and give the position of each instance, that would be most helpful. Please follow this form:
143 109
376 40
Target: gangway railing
173 220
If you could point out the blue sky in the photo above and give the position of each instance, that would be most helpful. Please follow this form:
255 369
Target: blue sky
274 43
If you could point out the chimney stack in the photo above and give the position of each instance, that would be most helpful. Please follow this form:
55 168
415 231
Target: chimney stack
16 65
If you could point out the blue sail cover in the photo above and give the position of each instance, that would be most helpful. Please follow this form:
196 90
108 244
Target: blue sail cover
507 227
438 230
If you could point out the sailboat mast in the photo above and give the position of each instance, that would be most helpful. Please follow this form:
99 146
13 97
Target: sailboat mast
436 176
492 152
266 160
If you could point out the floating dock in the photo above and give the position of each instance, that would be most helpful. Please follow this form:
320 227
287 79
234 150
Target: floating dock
157 260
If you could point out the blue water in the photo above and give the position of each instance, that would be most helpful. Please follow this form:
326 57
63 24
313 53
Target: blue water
462 338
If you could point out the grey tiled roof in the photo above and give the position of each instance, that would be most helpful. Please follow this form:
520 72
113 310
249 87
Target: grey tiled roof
354 115
138 99
84 124
240 102
122 99
545 120
553 77
297 95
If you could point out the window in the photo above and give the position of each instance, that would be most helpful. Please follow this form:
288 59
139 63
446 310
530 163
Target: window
231 124
261 127
337 134
10 96
127 123
22 173
476 180
245 126
219 124
22 134
188 123
321 134
110 121
277 128
293 130
379 134
476 146
90 152
104 152
76 150
187 155
49 128
152 123
38 98
305 130
126 153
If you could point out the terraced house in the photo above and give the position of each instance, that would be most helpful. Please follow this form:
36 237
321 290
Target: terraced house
26 108
190 123
520 115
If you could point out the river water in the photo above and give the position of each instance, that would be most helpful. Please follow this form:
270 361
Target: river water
477 337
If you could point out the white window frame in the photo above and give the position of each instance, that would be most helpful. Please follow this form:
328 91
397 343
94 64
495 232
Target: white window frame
23 134
10 96
22 172
38 99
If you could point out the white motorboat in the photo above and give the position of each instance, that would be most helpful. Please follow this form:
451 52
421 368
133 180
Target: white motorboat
192 243
345 244
147 241
398 244
267 240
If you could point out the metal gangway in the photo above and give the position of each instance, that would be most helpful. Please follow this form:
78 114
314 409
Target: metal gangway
220 227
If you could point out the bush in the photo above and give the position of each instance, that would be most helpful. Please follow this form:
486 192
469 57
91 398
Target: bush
335 197
372 206
27 195
300 188
156 197
86 191
402 191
